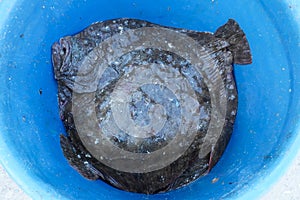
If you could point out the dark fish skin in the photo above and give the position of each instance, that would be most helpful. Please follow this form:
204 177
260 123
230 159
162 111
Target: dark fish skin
80 164
227 46
239 45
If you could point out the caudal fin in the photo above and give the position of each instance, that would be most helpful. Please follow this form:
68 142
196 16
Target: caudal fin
239 45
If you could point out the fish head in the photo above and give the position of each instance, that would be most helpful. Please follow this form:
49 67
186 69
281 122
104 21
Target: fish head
61 56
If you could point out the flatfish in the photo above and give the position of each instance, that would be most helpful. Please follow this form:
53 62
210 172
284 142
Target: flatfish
147 108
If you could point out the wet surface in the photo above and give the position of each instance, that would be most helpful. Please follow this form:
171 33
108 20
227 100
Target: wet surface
147 108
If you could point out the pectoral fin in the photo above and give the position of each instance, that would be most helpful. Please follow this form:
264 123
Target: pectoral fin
76 161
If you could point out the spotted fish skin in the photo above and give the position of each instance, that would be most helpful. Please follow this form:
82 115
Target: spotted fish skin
75 160
227 46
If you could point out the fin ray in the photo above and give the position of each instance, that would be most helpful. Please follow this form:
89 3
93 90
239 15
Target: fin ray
239 45
82 166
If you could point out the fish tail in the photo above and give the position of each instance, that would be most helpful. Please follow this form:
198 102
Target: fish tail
237 40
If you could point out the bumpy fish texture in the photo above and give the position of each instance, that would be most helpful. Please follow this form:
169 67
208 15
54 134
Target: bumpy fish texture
147 108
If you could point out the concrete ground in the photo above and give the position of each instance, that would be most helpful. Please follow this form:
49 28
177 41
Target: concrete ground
9 190
287 188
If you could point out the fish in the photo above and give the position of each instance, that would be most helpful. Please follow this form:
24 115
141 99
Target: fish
147 108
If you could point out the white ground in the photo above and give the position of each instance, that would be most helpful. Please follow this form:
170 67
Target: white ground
9 190
288 187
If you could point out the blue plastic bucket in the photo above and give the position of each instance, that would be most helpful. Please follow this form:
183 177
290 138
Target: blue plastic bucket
265 137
